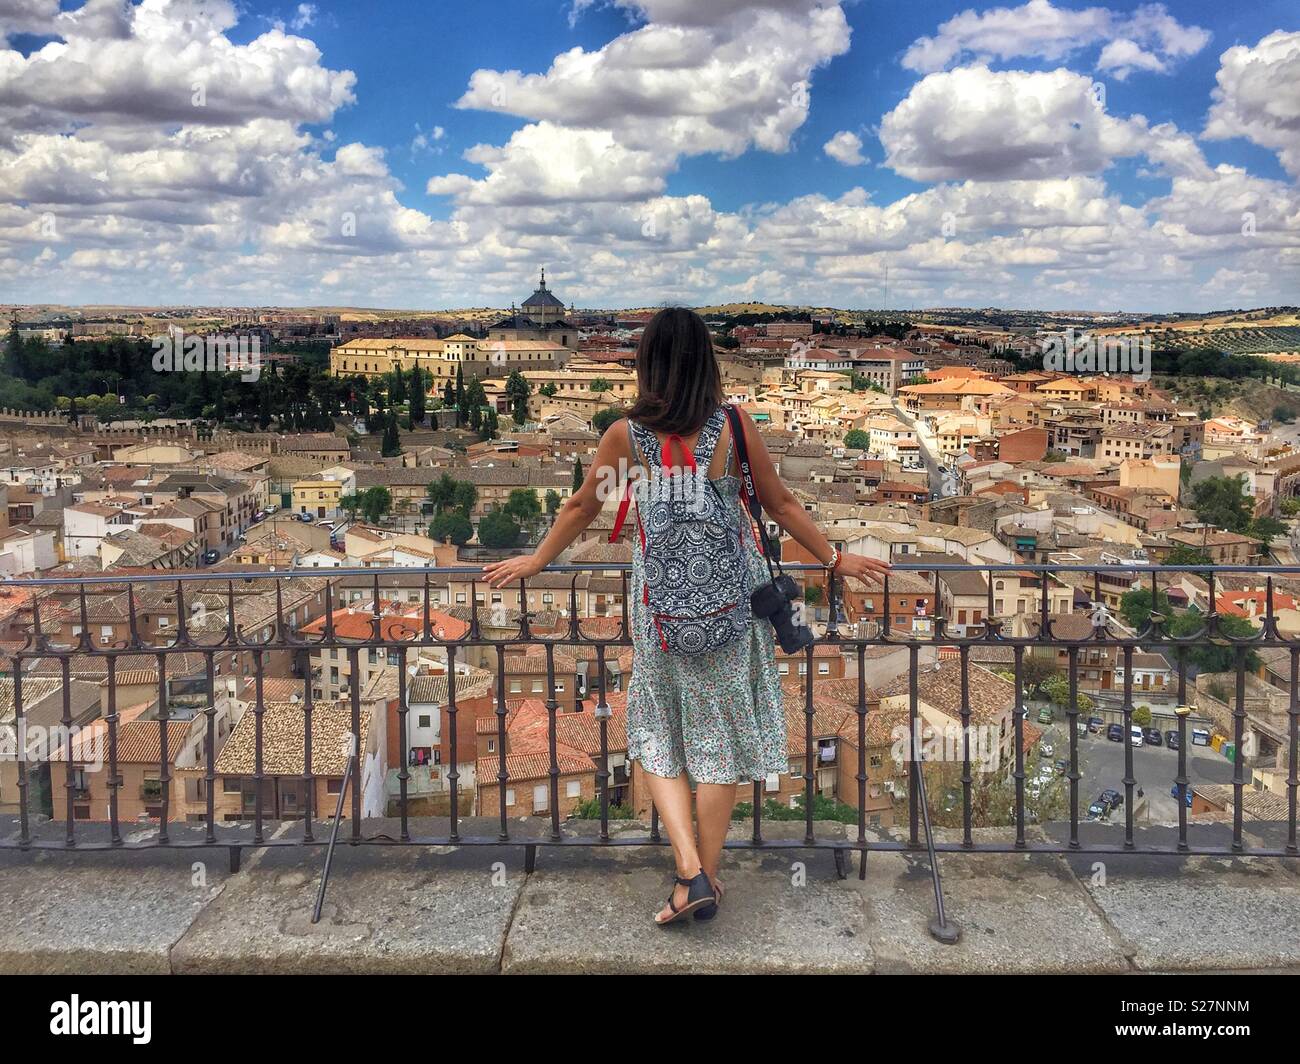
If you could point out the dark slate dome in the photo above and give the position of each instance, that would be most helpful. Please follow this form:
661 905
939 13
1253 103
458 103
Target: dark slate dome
543 297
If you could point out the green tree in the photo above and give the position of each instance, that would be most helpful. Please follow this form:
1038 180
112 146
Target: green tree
1057 689
376 503
1210 656
488 425
1142 716
350 504
1266 529
447 494
857 440
598 385
419 396
397 386
547 389
577 474
451 525
1290 506
1135 607
604 418
523 507
1223 503
517 391
552 502
1036 670
497 530
392 443
1182 554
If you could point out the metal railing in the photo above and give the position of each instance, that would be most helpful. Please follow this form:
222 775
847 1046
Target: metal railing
275 636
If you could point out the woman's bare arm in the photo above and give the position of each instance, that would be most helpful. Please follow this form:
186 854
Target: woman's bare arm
779 501
606 475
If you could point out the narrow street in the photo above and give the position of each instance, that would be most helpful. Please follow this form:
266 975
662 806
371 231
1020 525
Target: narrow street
942 484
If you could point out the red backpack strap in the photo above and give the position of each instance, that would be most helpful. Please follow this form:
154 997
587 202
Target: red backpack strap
627 492
666 457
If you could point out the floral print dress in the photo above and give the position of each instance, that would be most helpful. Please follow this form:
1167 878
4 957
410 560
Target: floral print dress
719 716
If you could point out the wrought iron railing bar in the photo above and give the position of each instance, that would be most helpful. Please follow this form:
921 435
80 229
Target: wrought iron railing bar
552 742
1129 781
199 576
164 766
403 744
114 828
1072 713
503 776
1238 754
69 761
453 776
259 736
1293 775
356 750
1180 781
602 724
1018 739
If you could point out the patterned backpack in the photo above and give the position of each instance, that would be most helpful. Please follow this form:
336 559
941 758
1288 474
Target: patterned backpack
696 574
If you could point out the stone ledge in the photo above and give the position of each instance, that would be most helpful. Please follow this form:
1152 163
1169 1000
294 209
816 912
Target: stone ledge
473 909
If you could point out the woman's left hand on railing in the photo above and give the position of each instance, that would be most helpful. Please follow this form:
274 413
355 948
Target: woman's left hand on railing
862 568
507 572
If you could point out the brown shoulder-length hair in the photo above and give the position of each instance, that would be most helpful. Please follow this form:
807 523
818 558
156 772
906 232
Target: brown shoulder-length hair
677 374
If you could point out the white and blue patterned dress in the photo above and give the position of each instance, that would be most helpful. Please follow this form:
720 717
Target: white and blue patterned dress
718 715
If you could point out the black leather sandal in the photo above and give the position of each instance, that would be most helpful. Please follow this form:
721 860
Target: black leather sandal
708 912
699 893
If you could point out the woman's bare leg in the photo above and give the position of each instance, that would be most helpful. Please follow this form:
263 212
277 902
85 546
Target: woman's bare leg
713 805
672 797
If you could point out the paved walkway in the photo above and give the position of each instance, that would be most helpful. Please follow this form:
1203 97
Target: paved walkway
474 909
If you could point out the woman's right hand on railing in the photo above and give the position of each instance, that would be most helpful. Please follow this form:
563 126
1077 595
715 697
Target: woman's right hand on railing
507 572
862 568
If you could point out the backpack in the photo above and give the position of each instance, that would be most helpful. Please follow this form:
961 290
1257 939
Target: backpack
696 588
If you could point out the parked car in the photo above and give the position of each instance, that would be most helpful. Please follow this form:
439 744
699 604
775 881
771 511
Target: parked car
1095 724
1045 715
1098 810
1135 734
1173 793
1112 798
1115 733
1172 741
1152 736
1046 750
305 518
211 557
1062 767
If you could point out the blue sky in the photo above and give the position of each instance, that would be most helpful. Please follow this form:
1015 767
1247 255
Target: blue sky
423 154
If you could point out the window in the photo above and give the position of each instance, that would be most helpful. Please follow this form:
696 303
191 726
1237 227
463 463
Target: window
559 685
510 797
783 668
823 668
334 786
573 789
773 782
541 798
491 746
516 687
423 720
537 687
230 785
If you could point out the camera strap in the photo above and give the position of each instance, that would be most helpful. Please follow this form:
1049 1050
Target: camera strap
750 493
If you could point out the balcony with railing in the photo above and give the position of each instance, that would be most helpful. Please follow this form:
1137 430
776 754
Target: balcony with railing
919 806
